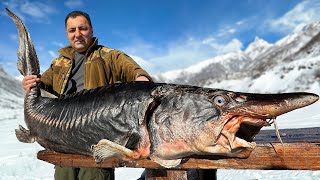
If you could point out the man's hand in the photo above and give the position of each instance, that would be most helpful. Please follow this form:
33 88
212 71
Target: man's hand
29 81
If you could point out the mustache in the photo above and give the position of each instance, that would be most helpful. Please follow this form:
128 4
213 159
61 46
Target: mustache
79 40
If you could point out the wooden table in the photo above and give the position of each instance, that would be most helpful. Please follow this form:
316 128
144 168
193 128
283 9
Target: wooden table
301 152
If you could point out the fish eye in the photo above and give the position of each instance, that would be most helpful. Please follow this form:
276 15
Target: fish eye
219 100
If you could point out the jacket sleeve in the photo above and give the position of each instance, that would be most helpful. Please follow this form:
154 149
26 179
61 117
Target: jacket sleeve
123 67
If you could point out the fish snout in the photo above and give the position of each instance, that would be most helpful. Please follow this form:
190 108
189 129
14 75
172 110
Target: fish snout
272 105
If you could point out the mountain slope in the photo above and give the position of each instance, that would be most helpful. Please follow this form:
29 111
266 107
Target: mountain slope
11 92
291 64
218 67
257 47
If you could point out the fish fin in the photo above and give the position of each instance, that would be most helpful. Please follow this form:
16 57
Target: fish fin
28 63
24 135
45 93
106 149
167 163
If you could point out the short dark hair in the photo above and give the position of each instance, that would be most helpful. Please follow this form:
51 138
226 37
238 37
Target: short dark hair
74 14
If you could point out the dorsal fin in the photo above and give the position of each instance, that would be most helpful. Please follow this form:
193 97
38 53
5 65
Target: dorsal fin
28 63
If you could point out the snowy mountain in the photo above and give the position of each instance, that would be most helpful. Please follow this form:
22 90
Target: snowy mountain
291 64
257 47
217 67
11 92
297 46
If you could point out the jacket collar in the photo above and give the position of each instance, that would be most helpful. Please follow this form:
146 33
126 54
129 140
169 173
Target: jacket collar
68 51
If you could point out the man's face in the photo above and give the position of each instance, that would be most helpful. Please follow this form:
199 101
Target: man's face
79 33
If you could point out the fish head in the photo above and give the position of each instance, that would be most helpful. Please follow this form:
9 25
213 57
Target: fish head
188 120
241 116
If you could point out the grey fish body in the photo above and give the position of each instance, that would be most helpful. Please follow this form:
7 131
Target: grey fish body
165 122
76 122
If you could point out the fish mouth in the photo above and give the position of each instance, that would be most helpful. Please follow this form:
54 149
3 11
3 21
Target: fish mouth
239 131
248 113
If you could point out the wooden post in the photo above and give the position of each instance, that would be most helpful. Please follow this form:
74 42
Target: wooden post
163 174
172 174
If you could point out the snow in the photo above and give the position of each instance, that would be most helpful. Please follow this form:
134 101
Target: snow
218 59
198 67
257 47
287 40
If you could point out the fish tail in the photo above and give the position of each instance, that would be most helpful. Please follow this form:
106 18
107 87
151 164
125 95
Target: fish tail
28 63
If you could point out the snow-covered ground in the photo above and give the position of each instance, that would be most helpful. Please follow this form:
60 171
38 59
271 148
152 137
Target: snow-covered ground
18 160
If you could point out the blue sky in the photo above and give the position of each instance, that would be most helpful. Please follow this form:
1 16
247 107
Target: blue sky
160 35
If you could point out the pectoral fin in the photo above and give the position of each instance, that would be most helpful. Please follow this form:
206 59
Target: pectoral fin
24 135
106 149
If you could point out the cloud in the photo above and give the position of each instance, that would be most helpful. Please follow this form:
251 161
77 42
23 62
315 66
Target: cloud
142 62
303 13
53 54
240 22
74 3
187 50
227 31
222 48
139 46
13 37
8 53
19 77
37 11
231 29
180 53
60 45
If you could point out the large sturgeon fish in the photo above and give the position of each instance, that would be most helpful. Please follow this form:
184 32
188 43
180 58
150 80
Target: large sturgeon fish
163 122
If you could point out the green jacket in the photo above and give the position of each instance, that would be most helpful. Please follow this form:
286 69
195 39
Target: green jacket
103 66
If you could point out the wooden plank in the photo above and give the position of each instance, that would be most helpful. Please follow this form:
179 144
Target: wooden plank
290 135
298 156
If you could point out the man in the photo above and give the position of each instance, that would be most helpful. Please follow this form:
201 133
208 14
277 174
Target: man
85 65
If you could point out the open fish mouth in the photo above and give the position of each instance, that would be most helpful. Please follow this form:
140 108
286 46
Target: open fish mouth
244 118
240 131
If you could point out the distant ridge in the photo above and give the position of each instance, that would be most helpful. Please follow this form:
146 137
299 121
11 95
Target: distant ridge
11 91
291 64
